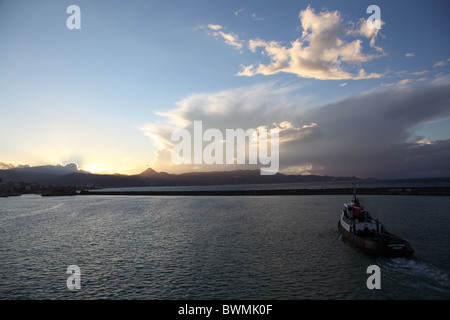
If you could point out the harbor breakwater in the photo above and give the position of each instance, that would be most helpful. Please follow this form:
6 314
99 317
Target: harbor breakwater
435 191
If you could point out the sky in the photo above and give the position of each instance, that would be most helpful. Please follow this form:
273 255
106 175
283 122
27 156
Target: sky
346 99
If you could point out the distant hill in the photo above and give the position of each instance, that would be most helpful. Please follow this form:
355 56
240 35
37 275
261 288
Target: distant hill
152 178
71 175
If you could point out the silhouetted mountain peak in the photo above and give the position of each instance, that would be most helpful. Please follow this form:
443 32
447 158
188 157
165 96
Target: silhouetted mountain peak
148 173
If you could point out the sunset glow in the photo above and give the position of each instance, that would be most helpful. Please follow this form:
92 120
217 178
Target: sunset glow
107 89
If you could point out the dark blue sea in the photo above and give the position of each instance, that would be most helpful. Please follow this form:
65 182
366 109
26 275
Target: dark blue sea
216 247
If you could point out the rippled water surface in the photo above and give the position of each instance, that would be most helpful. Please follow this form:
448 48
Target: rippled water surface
242 247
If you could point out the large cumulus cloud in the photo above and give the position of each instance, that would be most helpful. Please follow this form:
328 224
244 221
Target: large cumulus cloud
322 52
371 134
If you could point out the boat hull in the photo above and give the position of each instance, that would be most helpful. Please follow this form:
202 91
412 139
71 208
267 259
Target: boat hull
380 246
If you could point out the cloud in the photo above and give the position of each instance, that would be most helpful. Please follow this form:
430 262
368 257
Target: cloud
256 18
418 73
261 105
403 82
214 27
230 38
238 12
320 53
410 54
371 134
71 166
58 168
11 165
441 63
370 33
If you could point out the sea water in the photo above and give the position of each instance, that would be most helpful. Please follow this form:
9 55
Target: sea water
216 247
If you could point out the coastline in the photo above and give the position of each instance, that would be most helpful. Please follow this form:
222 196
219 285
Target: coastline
430 191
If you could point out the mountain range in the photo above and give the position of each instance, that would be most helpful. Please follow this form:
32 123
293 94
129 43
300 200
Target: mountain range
70 174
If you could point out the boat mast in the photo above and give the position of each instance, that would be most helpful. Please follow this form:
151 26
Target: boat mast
354 191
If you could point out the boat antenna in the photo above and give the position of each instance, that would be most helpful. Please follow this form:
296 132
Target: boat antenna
354 190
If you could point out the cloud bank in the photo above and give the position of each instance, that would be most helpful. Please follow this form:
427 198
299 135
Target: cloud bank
322 52
371 134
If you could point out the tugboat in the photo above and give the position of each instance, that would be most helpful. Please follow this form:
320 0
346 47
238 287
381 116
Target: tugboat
358 227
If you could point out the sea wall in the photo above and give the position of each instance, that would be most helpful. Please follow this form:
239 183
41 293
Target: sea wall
435 191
